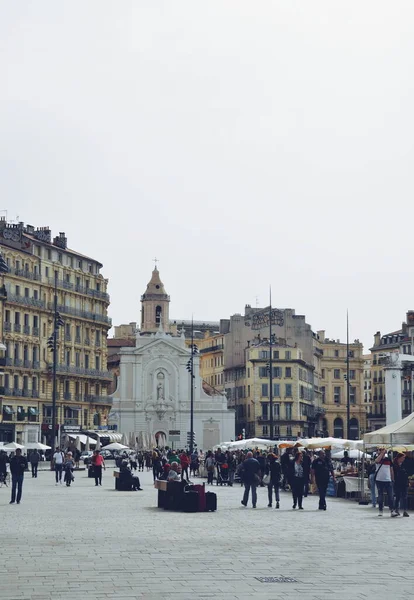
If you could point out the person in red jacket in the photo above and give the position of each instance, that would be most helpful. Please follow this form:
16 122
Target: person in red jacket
185 463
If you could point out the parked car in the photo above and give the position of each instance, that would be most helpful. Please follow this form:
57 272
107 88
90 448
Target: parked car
87 454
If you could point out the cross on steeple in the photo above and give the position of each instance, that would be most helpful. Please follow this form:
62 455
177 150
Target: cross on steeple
155 261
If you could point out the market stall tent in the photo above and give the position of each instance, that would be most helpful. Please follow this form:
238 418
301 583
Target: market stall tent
401 432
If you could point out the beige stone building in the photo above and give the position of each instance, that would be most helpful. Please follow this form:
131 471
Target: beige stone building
334 387
35 262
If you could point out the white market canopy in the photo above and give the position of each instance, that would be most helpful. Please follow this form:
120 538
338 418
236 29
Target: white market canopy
354 454
82 438
37 446
12 446
115 446
329 442
401 432
245 444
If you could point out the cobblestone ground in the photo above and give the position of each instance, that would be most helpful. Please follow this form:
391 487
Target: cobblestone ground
94 543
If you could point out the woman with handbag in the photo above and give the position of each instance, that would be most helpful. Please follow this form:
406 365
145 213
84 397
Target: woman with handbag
272 478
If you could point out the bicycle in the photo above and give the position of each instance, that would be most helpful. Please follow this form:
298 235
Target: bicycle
4 480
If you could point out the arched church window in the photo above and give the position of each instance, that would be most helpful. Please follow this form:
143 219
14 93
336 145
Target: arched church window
142 315
158 311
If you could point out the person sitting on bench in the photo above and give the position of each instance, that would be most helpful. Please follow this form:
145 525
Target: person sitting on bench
127 479
173 474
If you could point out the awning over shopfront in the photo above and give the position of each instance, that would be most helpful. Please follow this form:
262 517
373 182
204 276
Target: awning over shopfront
33 411
9 410
83 438
106 435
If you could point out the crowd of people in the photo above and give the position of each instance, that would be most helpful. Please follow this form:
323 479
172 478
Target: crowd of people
295 470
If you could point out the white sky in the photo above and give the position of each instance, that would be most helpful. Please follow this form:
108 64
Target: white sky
242 143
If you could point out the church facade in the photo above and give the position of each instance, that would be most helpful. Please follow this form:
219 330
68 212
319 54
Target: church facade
153 396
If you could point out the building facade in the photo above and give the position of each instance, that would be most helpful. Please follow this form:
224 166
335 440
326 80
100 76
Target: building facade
400 341
152 400
39 266
334 388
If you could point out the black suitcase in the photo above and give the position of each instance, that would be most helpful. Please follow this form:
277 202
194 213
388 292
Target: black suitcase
211 501
190 500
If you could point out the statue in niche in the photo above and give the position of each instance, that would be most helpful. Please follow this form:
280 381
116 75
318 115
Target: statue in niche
160 386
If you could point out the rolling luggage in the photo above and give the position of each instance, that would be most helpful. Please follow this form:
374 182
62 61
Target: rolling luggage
211 501
190 501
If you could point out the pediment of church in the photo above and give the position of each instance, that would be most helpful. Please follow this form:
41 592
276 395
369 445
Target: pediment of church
161 347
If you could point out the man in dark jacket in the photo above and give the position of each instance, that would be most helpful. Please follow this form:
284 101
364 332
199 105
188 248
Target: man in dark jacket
273 469
321 470
18 465
251 469
34 462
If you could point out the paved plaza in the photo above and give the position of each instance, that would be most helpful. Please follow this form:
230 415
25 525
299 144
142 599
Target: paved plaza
94 543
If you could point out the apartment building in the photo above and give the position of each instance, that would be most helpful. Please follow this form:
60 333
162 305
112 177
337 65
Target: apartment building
334 387
39 266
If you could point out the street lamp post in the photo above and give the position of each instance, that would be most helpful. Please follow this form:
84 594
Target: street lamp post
348 399
190 369
52 345
271 368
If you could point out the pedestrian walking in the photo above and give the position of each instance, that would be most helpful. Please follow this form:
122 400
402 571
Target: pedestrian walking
307 463
322 469
34 462
251 479
384 477
98 462
274 470
286 467
371 483
3 466
185 463
210 463
298 481
68 467
57 463
400 485
18 465
140 458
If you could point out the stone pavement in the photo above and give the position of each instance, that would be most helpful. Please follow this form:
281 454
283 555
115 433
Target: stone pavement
88 543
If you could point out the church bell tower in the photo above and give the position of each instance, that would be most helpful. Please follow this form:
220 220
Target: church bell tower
155 306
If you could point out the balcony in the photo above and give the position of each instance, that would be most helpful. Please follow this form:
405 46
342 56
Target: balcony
17 328
81 371
18 362
76 312
25 301
212 349
17 392
9 362
27 393
36 365
67 396
7 326
25 273
87 342
71 421
314 412
78 340
27 364
35 393
35 331
68 337
67 285
26 329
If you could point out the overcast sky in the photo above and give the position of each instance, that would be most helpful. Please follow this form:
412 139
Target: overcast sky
243 143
